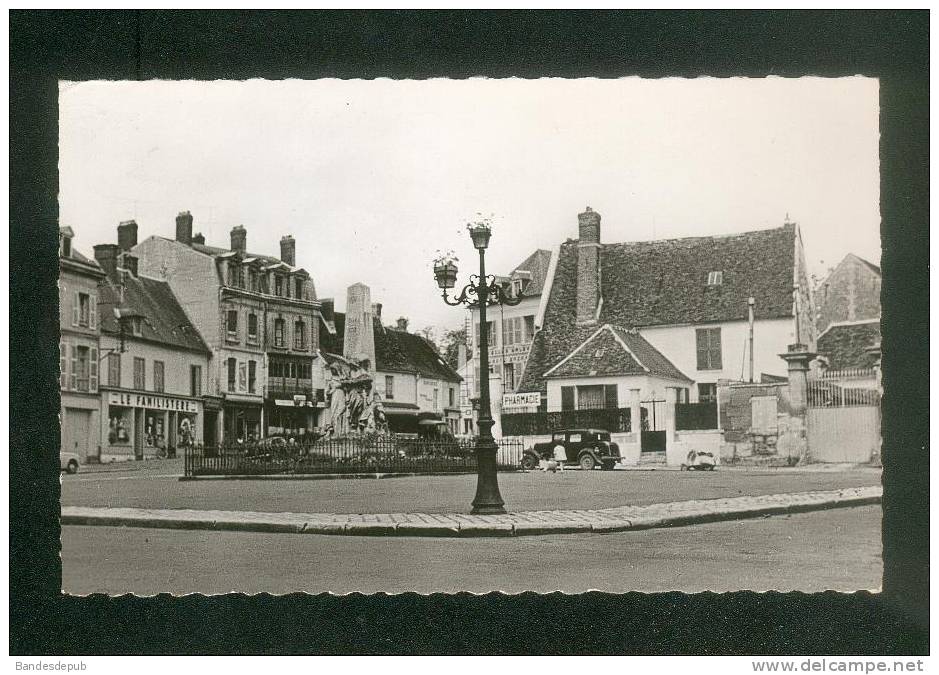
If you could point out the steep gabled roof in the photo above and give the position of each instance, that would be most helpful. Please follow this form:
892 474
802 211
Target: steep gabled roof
537 266
665 282
395 351
612 350
846 344
164 321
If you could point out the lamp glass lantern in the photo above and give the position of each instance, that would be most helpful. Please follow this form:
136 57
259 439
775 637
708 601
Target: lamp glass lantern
480 233
445 272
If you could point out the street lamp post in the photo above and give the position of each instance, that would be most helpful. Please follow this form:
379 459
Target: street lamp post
480 293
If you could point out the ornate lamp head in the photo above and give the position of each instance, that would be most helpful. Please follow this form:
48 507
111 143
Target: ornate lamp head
480 232
445 270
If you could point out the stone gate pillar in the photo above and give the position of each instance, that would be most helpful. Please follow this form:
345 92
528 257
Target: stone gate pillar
797 359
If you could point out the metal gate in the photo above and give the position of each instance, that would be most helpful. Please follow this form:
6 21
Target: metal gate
843 417
652 426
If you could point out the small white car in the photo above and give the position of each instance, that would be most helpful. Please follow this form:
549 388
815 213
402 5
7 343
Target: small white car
699 461
69 462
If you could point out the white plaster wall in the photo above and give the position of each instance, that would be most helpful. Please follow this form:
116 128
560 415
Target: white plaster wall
686 441
176 363
405 387
770 338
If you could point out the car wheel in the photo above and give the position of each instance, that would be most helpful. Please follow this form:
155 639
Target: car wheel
529 463
587 462
72 466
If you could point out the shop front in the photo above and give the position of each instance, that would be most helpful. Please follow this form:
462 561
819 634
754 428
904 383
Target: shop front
241 417
138 425
298 415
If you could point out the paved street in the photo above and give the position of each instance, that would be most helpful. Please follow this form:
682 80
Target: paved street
838 549
536 491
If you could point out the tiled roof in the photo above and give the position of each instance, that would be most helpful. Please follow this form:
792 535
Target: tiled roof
537 264
874 268
164 321
845 345
395 351
82 262
615 351
664 282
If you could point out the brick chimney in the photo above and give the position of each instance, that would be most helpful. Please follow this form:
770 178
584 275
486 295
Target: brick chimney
184 228
402 324
106 255
198 238
239 238
127 234
588 267
288 250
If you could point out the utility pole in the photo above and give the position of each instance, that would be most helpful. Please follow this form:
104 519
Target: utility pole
750 303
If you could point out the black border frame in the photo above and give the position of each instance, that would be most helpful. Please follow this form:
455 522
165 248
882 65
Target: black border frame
49 45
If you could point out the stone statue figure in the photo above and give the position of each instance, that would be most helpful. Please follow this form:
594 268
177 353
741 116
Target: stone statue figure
355 407
374 415
337 408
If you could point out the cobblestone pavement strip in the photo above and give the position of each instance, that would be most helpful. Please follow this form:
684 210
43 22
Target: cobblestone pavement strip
458 524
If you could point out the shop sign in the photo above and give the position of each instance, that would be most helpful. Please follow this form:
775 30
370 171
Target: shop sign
152 401
297 401
526 400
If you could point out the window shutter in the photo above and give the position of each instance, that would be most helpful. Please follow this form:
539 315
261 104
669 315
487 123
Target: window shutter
702 348
75 306
92 311
74 382
716 348
93 370
63 365
611 397
567 398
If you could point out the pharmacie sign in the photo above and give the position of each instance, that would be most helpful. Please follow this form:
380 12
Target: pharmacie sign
152 402
526 400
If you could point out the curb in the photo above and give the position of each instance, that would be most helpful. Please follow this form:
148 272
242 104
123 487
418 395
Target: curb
459 525
326 476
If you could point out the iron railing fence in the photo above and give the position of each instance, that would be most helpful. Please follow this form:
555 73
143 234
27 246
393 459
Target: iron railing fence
347 455
614 420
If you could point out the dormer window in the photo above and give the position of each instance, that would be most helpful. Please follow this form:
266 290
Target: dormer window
66 251
253 280
278 285
236 275
516 287
136 325
299 288
715 278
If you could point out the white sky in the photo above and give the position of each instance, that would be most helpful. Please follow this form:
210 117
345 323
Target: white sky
373 177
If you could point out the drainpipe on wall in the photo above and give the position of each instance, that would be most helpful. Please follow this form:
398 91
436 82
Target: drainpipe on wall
750 303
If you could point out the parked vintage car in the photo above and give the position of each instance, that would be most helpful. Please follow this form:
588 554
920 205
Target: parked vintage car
588 448
68 461
699 460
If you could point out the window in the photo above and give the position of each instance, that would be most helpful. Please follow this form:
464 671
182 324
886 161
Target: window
136 325
298 284
529 327
231 322
299 335
242 376
436 399
567 398
389 387
575 438
708 348
253 280
715 278
140 373
81 368
114 370
66 247
611 398
513 331
490 334
278 285
84 309
159 370
195 380
279 340
253 327
252 375
508 377
707 392
452 397
590 397
231 374
236 275
63 365
516 287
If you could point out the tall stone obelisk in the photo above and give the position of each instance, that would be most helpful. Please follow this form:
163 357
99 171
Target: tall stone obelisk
359 338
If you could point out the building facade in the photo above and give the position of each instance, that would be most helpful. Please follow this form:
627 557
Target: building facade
510 331
689 299
258 315
850 293
79 349
154 363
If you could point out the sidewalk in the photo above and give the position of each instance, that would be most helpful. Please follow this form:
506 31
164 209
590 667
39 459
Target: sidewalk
462 525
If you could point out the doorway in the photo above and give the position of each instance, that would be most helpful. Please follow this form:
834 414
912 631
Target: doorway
652 425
